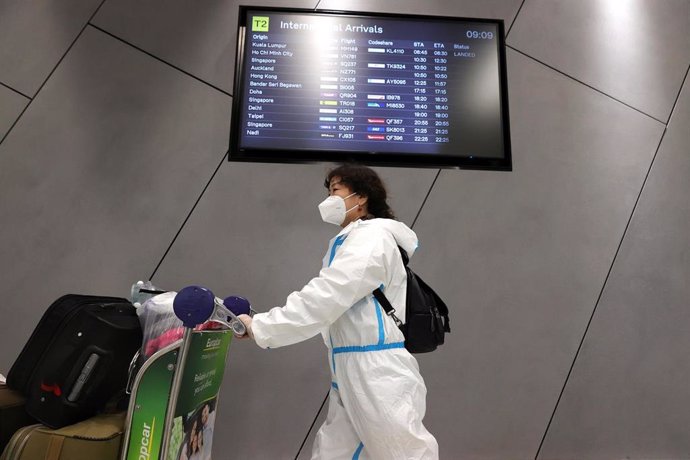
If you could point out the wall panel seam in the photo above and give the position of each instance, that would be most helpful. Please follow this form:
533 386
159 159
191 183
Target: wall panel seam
14 90
632 214
425 199
69 48
311 427
601 293
675 103
191 211
515 18
159 59
585 84
14 124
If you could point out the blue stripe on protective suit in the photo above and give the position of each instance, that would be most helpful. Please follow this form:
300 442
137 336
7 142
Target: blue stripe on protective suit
358 451
367 348
332 354
337 243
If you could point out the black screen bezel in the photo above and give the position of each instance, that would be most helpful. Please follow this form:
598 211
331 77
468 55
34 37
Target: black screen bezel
281 155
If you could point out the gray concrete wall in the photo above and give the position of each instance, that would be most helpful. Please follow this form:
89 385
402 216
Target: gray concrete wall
568 278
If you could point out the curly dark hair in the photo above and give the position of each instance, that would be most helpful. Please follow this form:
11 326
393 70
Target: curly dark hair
365 182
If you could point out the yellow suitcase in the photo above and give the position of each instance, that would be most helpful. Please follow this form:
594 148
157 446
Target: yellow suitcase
99 437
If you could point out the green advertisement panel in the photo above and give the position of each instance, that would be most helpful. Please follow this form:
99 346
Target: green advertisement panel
195 412
151 403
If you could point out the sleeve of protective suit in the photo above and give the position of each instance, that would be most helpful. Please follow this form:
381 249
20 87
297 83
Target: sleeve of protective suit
359 267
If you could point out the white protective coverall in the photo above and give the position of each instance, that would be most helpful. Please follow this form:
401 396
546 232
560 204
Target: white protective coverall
378 398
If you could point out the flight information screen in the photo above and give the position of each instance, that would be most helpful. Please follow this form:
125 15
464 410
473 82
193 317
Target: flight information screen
378 88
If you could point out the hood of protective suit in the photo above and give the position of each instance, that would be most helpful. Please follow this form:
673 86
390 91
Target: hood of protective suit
405 237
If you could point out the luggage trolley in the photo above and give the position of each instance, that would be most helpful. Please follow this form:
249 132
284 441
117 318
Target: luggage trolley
174 393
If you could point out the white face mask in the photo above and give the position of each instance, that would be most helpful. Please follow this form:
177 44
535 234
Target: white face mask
333 210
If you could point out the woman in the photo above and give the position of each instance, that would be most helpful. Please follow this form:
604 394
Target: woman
191 449
378 398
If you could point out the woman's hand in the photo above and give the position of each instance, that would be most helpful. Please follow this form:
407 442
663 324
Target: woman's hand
247 321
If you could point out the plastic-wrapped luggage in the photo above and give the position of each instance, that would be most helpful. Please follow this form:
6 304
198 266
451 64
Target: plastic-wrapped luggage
160 326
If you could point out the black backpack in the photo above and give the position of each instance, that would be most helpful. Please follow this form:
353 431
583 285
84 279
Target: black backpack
426 315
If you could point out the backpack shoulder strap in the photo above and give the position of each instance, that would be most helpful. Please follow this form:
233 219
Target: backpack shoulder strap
405 258
386 305
381 297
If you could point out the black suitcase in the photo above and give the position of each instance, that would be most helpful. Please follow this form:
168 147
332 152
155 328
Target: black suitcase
77 358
